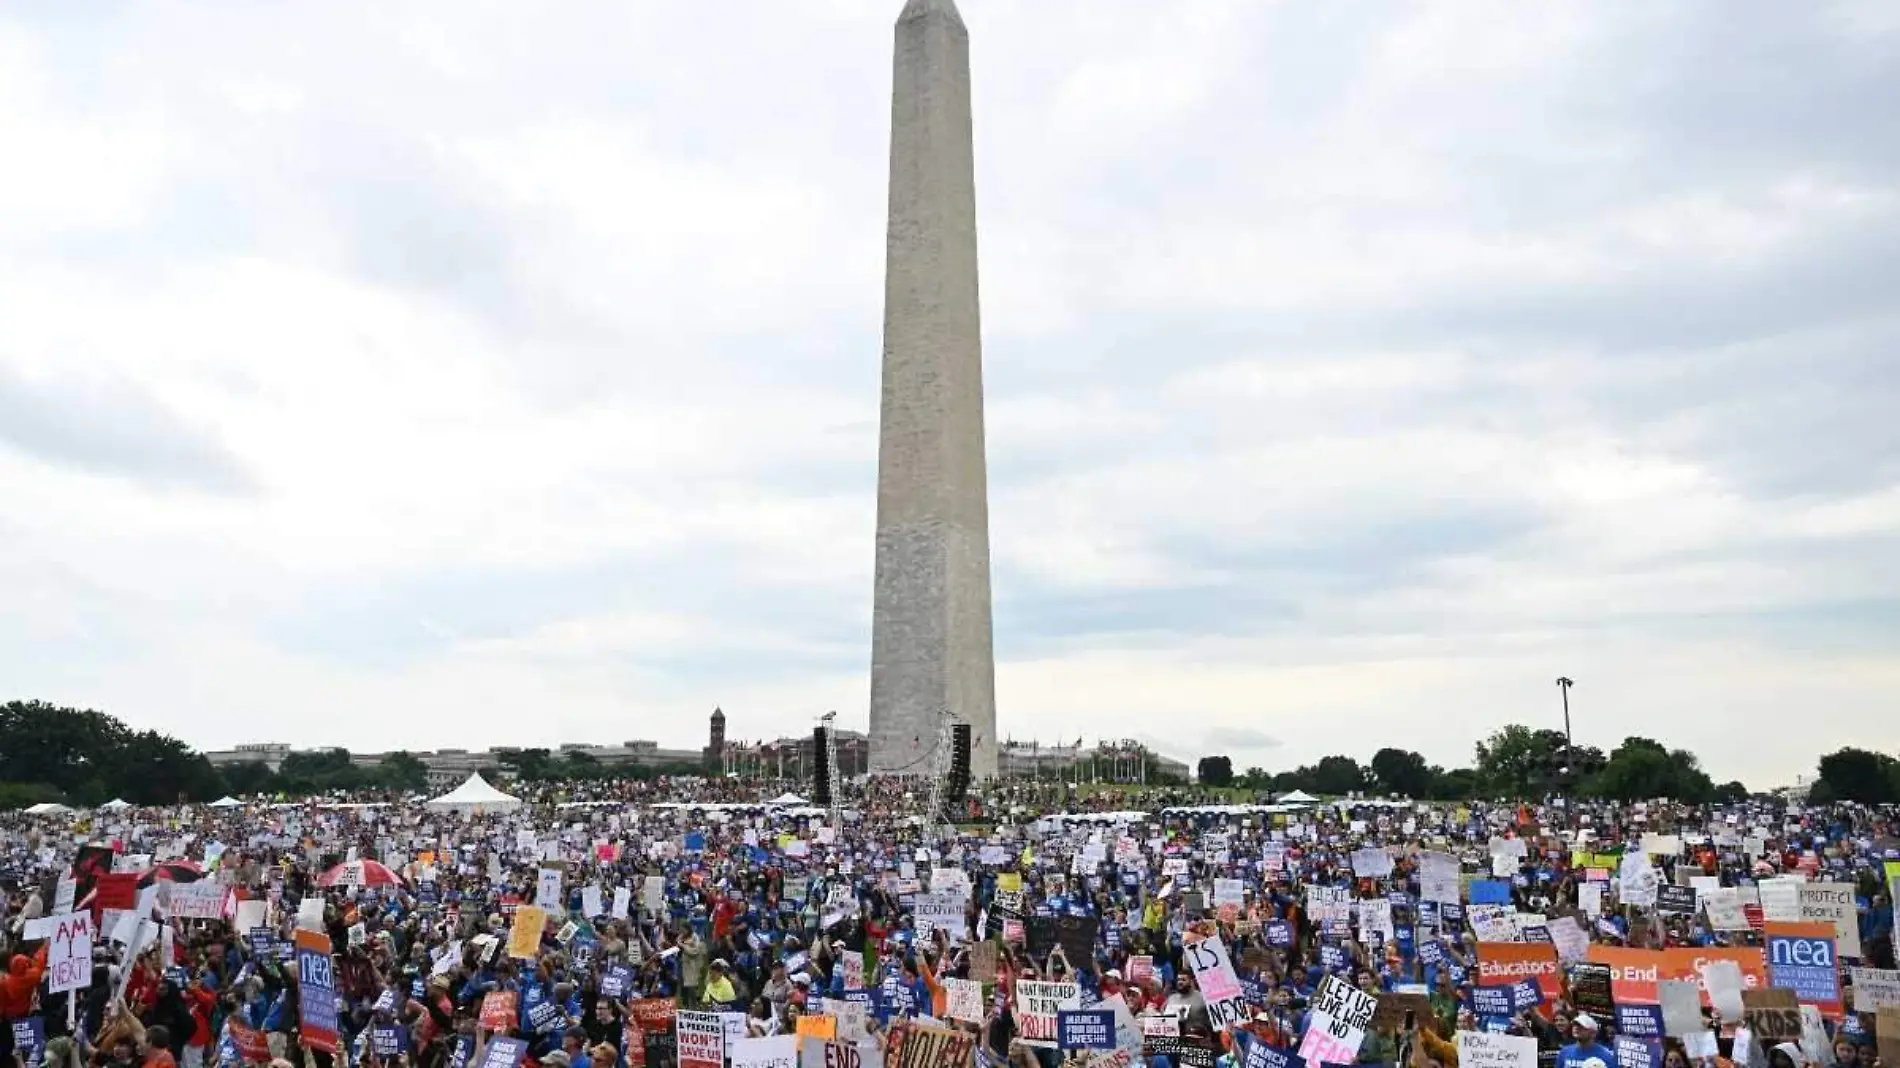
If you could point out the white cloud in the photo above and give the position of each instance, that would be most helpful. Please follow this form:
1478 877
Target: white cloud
1350 376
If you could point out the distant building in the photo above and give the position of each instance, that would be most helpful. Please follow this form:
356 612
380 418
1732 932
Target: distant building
792 758
1123 761
271 753
715 755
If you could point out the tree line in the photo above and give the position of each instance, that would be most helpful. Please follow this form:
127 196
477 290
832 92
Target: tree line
82 757
1516 762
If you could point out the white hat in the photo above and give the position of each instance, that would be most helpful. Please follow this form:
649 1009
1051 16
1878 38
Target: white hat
1585 1021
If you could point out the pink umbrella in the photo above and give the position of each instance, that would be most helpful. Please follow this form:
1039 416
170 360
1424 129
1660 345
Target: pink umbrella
359 873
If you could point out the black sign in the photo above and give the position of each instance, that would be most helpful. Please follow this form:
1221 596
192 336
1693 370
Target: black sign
1675 900
1186 1053
1075 934
1590 990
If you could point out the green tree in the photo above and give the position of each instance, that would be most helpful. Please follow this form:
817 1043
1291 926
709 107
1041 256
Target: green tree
1642 768
528 765
1401 772
1339 775
575 764
403 770
248 778
1215 771
1518 762
1860 775
1458 784
1731 793
308 771
85 757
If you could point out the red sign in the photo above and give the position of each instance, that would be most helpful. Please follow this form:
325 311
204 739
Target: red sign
253 1045
499 1011
1505 963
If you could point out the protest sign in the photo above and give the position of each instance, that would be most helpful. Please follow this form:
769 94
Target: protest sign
1887 1034
1772 1014
316 991
389 1041
1480 1049
1633 1052
837 1055
779 1051
1801 958
29 1039
1037 1006
1875 989
1833 903
499 1010
1337 1018
918 1046
1503 963
702 1039
1085 1029
1635 972
822 1027
963 1000
1673 900
202 900
504 1052
253 1046
69 949
1681 1006
524 936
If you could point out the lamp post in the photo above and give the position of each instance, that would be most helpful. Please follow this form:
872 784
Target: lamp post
1564 685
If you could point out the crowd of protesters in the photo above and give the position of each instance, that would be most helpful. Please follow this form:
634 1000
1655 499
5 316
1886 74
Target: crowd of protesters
591 925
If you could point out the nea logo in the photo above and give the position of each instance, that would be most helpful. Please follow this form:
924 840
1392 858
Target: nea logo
1801 952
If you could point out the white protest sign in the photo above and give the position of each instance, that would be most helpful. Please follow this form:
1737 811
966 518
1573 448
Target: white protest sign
963 1000
623 900
1834 903
202 900
780 1051
547 890
1336 1023
1875 989
1780 899
69 949
1037 1004
1481 1049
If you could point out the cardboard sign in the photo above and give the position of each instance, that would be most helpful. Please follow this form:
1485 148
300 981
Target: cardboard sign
524 937
1481 1049
1772 1015
917 1046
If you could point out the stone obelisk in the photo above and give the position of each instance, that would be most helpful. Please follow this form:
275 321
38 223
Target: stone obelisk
930 628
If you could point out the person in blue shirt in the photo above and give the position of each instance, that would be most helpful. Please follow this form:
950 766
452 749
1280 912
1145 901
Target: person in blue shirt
1586 1048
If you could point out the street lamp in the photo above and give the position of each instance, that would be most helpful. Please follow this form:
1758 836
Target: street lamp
1564 685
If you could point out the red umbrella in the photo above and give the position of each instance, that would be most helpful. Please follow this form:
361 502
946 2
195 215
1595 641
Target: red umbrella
359 873
177 871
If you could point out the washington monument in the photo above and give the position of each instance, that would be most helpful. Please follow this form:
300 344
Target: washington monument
930 624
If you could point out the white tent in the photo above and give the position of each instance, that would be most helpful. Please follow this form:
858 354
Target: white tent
227 801
115 803
476 796
788 798
47 808
1298 797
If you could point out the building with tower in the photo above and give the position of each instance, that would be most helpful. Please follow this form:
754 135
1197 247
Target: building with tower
715 756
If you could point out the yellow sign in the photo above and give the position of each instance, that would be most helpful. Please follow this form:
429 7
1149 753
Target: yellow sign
524 938
1009 880
820 1027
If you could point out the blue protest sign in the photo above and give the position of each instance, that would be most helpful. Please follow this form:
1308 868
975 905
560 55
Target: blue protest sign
1261 1055
29 1039
1803 964
1332 957
1430 952
1491 1001
1085 1029
1638 1052
1279 933
1639 1021
504 1052
1490 892
390 1041
1526 994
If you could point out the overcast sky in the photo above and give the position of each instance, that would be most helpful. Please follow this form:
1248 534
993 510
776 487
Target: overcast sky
425 374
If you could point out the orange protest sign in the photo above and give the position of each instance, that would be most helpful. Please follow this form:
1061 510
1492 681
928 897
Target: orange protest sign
1634 973
1504 963
820 1027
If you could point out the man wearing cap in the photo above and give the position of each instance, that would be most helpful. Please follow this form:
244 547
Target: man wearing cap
1586 1051
720 993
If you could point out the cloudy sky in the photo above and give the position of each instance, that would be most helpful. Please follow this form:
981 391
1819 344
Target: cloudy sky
424 374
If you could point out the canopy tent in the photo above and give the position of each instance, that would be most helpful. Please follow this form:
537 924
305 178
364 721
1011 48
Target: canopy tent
227 801
788 798
115 804
47 808
476 796
1298 797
